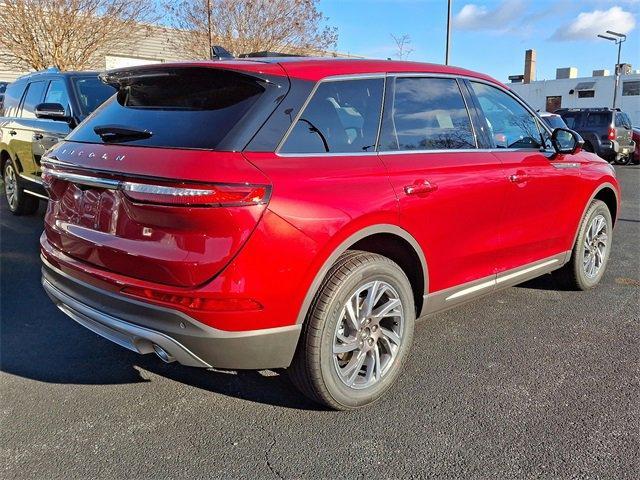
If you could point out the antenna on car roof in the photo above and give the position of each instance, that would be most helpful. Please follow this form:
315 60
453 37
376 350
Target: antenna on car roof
220 53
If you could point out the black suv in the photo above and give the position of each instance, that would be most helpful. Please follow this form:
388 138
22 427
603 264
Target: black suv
39 110
606 132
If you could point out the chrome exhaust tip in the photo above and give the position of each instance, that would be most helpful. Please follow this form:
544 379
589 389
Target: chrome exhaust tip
165 356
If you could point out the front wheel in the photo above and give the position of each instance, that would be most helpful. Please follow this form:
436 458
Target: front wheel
591 251
357 334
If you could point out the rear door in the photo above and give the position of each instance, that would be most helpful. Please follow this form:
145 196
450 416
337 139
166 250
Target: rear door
24 128
538 215
450 192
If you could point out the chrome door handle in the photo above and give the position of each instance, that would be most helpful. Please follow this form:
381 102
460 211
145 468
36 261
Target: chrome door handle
519 178
420 187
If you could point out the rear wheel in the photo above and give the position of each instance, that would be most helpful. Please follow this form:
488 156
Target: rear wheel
357 334
591 251
19 202
623 160
587 147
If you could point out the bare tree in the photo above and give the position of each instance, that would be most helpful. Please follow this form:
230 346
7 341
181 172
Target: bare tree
68 34
242 26
403 46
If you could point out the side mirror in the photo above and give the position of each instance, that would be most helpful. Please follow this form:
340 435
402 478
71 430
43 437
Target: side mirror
51 111
566 141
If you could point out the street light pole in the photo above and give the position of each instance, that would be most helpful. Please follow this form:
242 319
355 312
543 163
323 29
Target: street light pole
446 59
618 41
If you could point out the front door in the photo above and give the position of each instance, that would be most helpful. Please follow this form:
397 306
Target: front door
539 215
449 193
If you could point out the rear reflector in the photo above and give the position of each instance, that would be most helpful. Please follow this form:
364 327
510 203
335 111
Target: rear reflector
195 303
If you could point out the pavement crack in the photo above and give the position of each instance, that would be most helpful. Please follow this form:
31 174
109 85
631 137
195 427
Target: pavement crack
267 454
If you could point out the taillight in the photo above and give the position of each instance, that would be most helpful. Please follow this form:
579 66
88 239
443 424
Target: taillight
197 195
612 133
178 194
189 302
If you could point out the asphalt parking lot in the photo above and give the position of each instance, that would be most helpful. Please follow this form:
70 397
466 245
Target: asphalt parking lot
529 382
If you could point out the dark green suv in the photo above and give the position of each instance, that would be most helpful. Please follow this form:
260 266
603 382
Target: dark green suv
38 111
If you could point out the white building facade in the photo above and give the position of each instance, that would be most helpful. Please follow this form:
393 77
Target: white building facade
584 92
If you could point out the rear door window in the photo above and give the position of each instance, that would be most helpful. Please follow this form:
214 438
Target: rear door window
12 97
572 119
342 117
185 107
426 114
33 97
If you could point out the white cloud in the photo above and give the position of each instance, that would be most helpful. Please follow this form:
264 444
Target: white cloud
588 25
474 17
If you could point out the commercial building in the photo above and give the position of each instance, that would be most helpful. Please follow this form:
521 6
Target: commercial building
568 90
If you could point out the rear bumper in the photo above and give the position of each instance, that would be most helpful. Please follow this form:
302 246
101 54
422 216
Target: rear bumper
139 326
613 148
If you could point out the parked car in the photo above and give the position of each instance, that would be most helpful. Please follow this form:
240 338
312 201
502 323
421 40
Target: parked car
636 139
260 214
553 120
39 110
606 132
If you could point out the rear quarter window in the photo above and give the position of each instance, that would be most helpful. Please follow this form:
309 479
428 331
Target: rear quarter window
182 107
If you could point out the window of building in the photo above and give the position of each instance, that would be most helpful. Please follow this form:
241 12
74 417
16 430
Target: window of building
510 123
427 114
342 117
631 89
586 93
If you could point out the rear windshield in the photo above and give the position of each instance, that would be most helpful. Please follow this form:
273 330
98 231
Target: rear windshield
180 108
602 119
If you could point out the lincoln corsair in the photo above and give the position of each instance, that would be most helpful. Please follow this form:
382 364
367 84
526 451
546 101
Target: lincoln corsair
303 213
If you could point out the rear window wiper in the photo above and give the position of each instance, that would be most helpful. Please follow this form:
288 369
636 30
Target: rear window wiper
120 132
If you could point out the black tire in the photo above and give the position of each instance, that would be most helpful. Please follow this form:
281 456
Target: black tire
624 160
21 203
313 370
587 147
573 275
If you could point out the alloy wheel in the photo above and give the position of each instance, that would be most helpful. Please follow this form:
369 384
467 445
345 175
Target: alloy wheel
595 246
368 335
11 187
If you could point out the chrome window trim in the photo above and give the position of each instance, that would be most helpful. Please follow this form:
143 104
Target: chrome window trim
386 76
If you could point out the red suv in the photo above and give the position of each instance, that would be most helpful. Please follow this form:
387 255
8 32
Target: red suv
303 213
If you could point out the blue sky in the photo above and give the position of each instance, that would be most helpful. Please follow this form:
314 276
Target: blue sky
492 35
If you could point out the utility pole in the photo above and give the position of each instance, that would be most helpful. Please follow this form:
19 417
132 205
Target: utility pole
446 59
618 41
209 29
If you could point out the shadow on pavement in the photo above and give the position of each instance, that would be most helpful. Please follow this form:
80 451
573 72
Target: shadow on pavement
39 342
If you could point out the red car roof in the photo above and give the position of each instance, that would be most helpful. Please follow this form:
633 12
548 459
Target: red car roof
315 69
